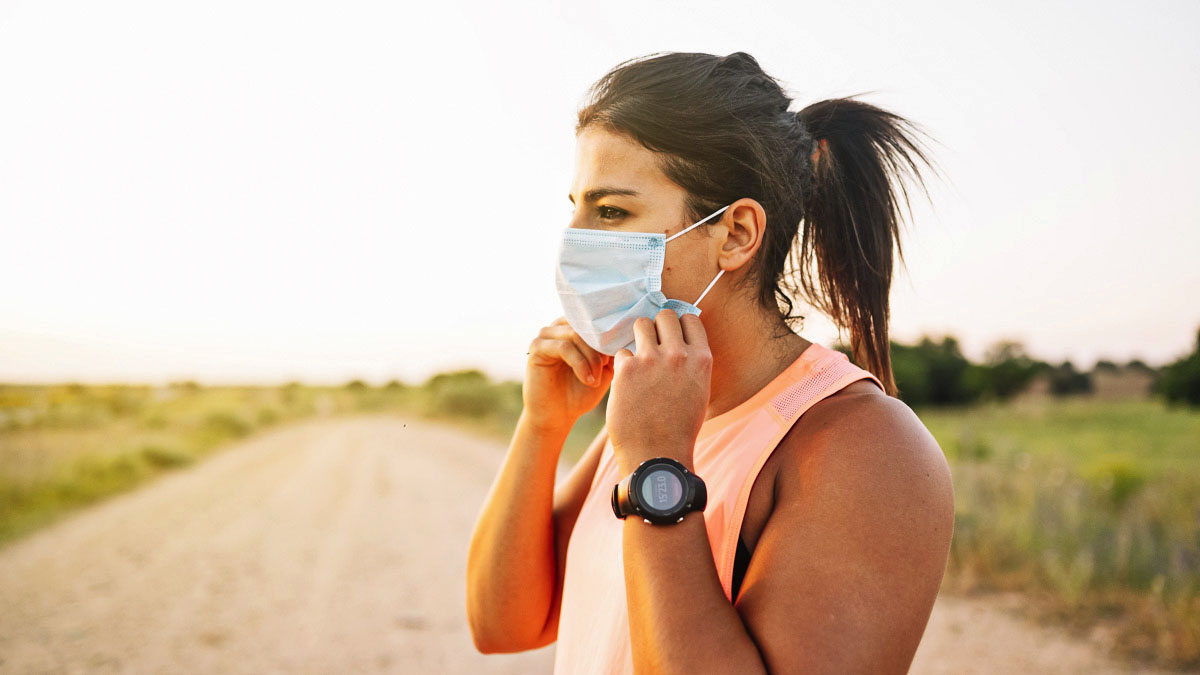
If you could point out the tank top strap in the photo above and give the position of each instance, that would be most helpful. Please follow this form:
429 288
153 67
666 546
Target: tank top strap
787 399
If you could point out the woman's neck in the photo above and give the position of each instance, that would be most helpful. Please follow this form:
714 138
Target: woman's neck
748 352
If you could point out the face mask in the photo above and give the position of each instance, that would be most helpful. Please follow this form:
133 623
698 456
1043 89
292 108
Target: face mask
606 280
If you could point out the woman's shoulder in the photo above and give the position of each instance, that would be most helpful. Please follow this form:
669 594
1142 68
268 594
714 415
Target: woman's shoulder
864 440
862 522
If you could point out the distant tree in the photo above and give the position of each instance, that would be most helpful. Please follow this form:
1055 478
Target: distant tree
1105 365
1065 380
458 377
935 373
1179 382
356 385
1138 364
911 374
1008 369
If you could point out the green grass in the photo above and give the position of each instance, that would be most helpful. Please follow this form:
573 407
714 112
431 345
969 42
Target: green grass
1090 507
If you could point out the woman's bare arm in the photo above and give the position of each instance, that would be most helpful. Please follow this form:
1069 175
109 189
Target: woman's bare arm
848 566
518 549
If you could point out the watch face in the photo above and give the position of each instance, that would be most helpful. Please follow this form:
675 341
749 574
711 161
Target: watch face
662 489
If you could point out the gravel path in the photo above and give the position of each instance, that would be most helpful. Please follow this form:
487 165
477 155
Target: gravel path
330 546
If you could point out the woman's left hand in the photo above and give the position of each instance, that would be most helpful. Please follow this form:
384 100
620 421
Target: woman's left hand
659 396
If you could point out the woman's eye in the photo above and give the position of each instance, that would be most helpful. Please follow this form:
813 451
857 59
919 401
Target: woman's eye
609 212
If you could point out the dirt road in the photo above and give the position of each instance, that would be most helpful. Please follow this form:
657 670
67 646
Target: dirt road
330 546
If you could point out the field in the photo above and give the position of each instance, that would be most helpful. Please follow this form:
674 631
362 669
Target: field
65 446
1088 507
1092 508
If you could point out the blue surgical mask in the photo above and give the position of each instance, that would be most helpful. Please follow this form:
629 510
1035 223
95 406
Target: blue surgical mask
607 279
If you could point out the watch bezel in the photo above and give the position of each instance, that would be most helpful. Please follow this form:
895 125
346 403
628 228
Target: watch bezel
628 490
639 480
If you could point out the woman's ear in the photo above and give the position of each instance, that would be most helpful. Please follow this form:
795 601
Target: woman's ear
745 224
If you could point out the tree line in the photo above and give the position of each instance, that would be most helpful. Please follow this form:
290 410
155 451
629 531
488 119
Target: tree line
933 372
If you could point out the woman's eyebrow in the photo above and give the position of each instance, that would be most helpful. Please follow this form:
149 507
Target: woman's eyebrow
601 192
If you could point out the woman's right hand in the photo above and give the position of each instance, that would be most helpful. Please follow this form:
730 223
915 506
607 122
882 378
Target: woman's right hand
557 391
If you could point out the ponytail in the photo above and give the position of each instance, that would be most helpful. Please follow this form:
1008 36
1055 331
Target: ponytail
852 216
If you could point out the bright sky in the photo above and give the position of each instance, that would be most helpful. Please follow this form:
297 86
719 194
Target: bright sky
262 191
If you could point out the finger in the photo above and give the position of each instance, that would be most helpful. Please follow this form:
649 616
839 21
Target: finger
645 336
565 332
693 330
669 331
606 376
570 354
620 359
594 357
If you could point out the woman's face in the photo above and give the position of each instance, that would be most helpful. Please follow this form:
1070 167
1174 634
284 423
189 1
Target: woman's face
618 186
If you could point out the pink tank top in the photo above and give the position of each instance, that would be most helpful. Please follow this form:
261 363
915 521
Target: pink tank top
593 629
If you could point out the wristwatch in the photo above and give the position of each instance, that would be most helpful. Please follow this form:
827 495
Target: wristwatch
660 490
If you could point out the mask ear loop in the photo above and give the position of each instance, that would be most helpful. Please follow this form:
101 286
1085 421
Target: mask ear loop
706 290
695 225
698 223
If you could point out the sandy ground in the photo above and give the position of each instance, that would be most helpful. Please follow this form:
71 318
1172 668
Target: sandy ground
332 546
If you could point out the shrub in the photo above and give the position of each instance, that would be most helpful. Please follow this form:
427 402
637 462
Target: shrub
227 424
1179 382
155 419
463 398
470 394
164 458
1064 380
1117 476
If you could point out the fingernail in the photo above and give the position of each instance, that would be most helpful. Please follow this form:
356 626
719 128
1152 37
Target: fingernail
591 379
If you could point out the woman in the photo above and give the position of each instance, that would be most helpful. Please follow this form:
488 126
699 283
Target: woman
821 533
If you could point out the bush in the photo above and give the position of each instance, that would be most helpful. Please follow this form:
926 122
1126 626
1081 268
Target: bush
464 399
155 419
164 458
227 424
1179 382
1064 380
934 373
470 394
1008 369
1117 476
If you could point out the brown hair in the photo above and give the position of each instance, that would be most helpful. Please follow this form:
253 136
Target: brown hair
723 131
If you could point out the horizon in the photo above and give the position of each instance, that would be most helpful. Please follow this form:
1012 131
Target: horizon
385 381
